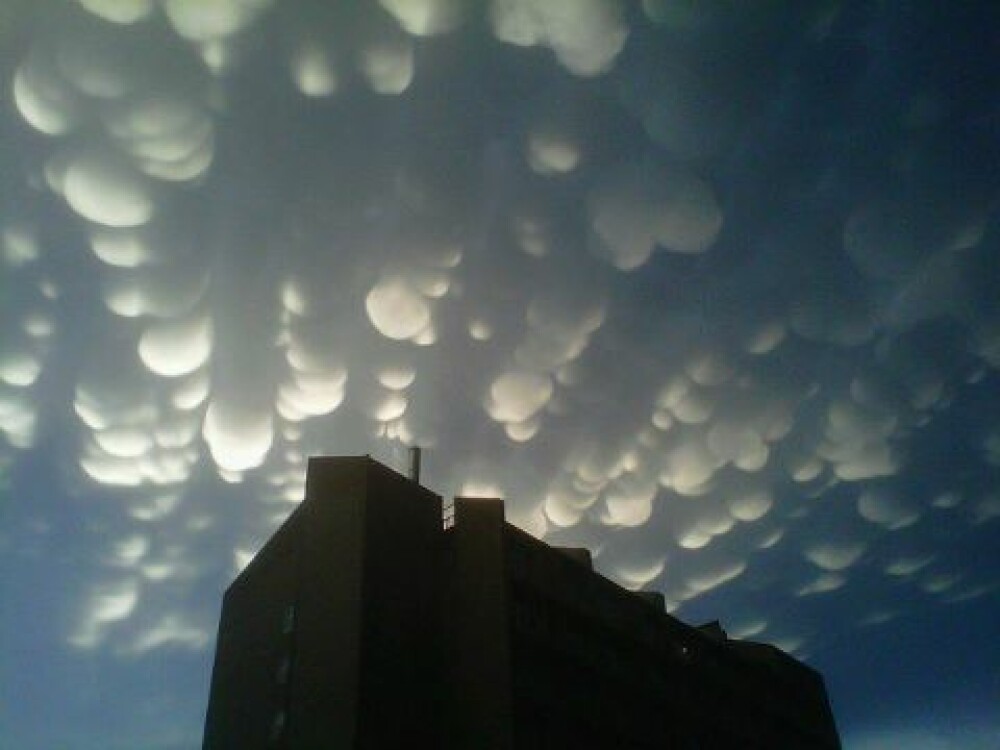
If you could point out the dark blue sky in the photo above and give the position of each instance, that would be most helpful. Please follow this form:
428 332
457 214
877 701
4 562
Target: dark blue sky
710 287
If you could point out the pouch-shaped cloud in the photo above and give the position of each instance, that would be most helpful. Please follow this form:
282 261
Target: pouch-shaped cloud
313 69
177 348
881 239
991 448
629 500
125 441
114 389
169 137
112 471
239 434
124 248
120 11
565 510
522 432
550 152
636 576
387 64
749 504
766 338
397 310
856 440
191 392
904 567
746 627
129 551
108 603
390 407
987 342
696 521
695 407
680 14
822 319
212 20
586 35
734 443
102 187
19 368
939 583
559 330
822 584
708 574
517 395
172 631
397 378
39 325
876 459
426 17
934 288
310 394
18 419
834 555
162 291
688 466
986 509
708 367
43 98
638 206
20 245
94 65
886 509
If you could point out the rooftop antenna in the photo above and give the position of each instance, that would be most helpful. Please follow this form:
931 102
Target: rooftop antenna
414 472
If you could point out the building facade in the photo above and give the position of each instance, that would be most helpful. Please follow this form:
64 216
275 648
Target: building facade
368 621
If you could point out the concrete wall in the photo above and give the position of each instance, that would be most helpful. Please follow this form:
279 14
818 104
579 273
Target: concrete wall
354 574
481 713
246 697
401 669
326 673
362 624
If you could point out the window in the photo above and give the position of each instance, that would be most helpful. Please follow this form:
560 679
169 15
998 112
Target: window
277 726
288 620
283 671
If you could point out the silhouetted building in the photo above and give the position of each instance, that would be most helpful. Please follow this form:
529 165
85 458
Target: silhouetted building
369 620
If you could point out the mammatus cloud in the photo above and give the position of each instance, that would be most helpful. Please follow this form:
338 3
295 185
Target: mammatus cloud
573 249
586 36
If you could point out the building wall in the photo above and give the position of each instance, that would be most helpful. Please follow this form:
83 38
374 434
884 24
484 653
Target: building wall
590 662
326 672
248 694
593 660
329 637
364 624
479 713
401 670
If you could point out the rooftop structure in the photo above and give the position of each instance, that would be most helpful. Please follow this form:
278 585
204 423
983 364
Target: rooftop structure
373 619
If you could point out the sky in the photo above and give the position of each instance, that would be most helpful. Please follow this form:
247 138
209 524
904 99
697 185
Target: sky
709 287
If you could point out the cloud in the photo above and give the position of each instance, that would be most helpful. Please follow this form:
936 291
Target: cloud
107 604
586 36
397 310
426 17
886 509
120 11
705 312
638 207
835 556
933 737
